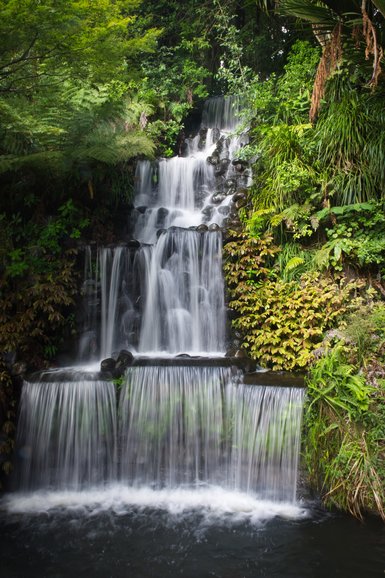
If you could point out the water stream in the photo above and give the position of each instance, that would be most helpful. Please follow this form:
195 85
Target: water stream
182 470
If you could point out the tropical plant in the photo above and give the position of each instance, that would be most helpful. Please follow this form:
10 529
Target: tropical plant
341 456
282 323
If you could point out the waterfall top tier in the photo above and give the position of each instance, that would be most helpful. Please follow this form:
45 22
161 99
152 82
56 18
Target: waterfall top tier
186 191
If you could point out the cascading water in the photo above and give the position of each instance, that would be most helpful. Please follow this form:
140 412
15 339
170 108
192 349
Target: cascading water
195 425
178 476
175 427
66 434
164 294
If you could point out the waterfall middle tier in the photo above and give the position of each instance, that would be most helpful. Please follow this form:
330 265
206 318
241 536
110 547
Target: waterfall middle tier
165 295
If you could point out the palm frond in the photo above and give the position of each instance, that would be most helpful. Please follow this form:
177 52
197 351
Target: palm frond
316 13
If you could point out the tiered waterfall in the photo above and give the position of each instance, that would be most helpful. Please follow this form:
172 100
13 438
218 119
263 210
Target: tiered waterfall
162 295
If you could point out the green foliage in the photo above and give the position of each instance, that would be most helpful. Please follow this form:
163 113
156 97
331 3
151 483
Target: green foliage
38 283
349 137
282 322
343 458
356 239
365 330
42 41
294 87
293 262
234 75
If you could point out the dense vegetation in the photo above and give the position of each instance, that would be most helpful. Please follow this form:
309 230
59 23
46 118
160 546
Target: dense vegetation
88 87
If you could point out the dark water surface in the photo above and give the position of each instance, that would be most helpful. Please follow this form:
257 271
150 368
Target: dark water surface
146 542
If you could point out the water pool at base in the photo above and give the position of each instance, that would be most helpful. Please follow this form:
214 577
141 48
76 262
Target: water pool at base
115 539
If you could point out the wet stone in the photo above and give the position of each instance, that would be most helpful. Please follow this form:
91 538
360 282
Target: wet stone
218 198
125 359
107 364
207 212
240 195
213 160
222 166
133 244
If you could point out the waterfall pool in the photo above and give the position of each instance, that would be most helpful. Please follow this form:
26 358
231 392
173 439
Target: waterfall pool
147 534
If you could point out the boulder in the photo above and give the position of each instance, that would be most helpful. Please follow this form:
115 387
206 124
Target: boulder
107 364
218 198
125 359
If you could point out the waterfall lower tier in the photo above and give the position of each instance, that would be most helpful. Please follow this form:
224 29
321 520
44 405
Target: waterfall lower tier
66 435
174 427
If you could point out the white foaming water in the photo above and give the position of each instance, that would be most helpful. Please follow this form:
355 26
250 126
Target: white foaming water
175 426
178 192
182 439
166 295
66 435
185 310
190 425
213 503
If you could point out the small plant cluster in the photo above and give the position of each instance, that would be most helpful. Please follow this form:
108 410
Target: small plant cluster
282 322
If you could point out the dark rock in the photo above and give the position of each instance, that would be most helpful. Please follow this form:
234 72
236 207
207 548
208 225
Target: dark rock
221 167
239 204
230 183
230 353
240 195
208 211
225 210
213 160
125 359
107 364
133 244
202 228
183 355
214 227
216 134
18 368
161 215
220 144
141 209
218 198
241 354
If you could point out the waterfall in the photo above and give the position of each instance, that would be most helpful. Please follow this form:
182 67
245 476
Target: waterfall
66 434
175 426
184 310
164 294
160 295
193 425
